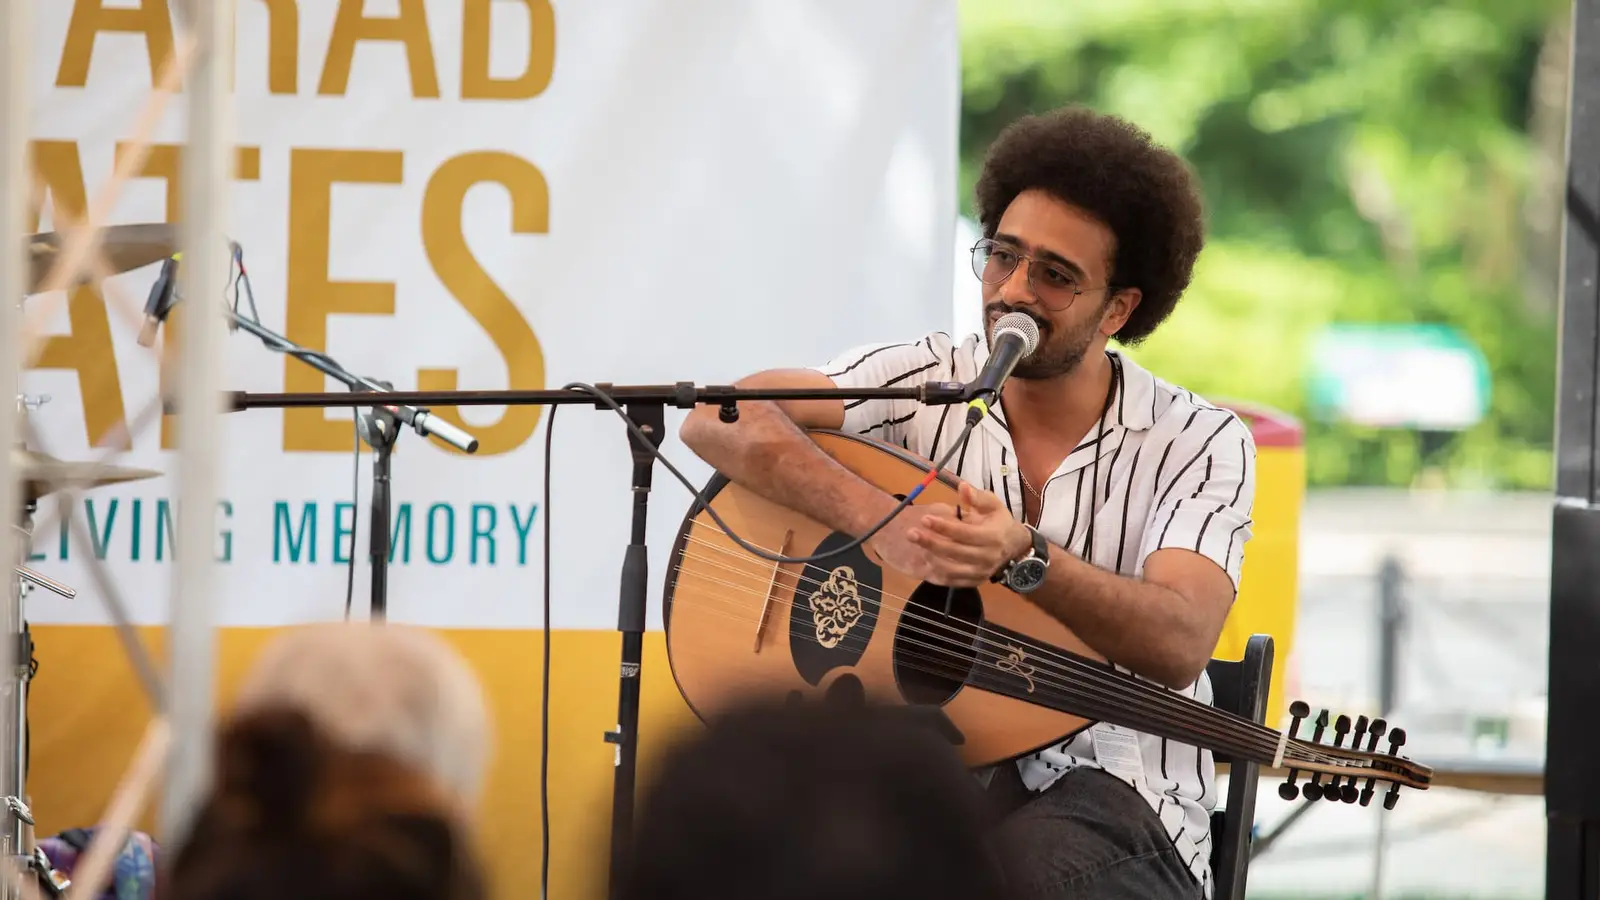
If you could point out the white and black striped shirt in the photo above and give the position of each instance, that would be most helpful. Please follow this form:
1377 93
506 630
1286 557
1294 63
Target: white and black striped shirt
1174 471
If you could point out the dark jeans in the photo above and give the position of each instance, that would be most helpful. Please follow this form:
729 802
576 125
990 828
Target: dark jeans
1088 835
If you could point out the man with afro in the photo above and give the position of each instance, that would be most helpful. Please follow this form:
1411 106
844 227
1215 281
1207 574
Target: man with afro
1134 492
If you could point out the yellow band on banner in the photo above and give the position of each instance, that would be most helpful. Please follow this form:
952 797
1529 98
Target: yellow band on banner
88 713
1269 586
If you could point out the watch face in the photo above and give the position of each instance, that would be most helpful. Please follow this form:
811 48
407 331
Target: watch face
1027 575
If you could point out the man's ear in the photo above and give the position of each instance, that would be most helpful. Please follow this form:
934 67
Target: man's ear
1118 308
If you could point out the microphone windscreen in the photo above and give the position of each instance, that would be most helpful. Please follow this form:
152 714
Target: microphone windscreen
1023 325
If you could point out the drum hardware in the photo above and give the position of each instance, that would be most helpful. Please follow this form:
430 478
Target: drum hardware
41 474
14 787
19 809
46 582
123 247
54 882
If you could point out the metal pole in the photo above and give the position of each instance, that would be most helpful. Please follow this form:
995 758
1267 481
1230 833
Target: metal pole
1391 617
1572 781
207 167
15 30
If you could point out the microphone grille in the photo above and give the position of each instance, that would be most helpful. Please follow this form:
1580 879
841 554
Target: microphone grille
1023 325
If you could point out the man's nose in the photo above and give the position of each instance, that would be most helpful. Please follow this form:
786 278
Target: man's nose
1015 290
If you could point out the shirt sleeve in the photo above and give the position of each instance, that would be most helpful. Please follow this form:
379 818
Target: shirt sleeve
1207 507
883 365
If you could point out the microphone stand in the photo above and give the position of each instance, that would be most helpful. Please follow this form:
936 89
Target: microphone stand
645 407
379 427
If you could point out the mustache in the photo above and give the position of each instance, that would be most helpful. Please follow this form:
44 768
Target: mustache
997 309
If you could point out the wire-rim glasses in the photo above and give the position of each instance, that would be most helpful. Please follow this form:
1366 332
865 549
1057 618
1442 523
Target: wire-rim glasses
1055 286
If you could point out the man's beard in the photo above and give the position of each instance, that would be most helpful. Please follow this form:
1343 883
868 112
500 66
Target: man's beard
1057 354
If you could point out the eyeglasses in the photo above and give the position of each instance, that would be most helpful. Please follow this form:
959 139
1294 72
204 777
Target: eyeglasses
1055 287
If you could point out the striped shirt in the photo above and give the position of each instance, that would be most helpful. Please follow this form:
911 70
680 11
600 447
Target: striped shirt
1174 471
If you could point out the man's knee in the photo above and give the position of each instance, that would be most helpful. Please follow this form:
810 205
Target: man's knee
1090 835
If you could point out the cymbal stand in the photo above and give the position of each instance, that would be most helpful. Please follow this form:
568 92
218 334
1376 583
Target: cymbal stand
28 853
13 793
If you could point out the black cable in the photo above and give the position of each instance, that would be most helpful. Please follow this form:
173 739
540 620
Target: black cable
273 343
355 514
703 502
544 684
243 278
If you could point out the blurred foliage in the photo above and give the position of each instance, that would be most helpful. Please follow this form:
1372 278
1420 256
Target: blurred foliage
1362 160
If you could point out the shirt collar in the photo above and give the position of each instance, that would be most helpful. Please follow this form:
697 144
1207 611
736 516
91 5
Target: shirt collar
1132 409
1134 406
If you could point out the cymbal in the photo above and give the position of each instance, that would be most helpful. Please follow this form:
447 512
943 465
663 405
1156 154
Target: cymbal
40 474
125 248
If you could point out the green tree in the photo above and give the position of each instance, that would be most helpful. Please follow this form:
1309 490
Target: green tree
1363 161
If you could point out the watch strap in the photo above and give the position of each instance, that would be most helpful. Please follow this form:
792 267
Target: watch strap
1040 550
1041 547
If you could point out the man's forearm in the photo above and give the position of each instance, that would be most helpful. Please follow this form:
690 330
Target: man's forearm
766 452
1137 624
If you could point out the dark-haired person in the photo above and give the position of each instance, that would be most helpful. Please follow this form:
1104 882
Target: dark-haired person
813 802
1137 492
296 813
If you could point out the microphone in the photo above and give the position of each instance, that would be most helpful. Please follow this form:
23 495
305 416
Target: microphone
1015 336
160 303
425 423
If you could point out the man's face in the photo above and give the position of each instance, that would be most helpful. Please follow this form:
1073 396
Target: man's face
1067 251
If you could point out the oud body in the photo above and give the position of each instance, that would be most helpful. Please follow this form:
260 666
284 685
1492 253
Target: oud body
850 628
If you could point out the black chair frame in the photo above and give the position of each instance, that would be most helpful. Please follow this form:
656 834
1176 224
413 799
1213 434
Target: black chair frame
1240 687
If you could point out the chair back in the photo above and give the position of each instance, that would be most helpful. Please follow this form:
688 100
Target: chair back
1240 687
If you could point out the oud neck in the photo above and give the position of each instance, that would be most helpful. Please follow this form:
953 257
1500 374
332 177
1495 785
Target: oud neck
1100 692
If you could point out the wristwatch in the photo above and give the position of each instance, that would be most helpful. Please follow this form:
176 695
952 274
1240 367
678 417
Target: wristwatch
1025 574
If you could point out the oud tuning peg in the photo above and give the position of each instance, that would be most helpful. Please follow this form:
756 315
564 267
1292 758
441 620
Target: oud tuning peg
1312 790
1361 731
1341 727
1298 711
1348 792
1397 738
1374 734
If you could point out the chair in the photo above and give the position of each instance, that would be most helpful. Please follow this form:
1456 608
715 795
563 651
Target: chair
1239 687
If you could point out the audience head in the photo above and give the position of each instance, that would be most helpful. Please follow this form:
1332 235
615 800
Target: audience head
383 688
813 802
293 813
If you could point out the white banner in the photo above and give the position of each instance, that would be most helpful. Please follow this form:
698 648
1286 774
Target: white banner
483 194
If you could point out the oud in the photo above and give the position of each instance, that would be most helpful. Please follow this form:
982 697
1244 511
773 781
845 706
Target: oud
1006 678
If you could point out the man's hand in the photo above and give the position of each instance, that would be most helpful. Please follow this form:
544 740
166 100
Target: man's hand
966 547
893 547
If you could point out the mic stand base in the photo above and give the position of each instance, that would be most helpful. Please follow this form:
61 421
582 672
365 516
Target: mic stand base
650 417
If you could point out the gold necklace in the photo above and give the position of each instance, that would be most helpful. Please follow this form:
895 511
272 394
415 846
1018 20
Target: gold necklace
1025 483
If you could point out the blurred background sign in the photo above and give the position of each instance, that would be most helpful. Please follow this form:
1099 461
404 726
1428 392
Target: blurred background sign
1427 377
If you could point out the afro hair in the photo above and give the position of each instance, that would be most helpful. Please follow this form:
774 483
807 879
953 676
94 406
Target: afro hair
1114 171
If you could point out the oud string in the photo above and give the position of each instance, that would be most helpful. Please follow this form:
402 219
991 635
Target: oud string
1122 687
1199 718
954 663
1192 715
